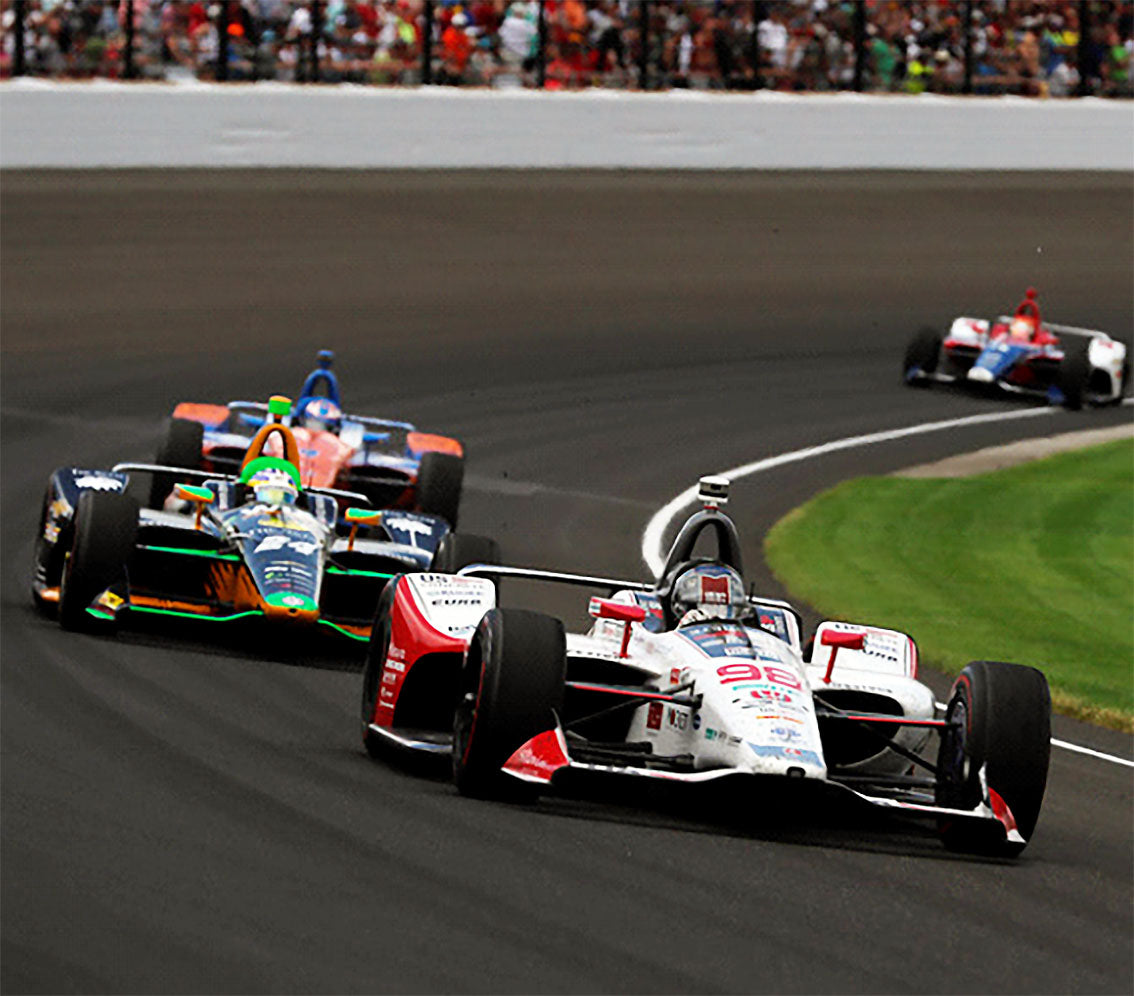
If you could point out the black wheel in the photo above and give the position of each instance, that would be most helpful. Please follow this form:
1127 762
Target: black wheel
181 447
1003 717
457 550
439 480
106 530
1074 373
376 653
511 688
922 356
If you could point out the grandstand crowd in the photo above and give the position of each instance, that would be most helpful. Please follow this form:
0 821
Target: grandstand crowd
1054 48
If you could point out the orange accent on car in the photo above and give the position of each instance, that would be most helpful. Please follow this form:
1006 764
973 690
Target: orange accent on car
259 442
323 456
208 414
422 441
170 604
49 595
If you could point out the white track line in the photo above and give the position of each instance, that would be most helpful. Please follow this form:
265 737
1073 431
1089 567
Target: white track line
653 536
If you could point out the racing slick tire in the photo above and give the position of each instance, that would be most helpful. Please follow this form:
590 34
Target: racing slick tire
377 650
1074 375
106 530
922 355
439 480
511 689
457 550
1003 712
181 447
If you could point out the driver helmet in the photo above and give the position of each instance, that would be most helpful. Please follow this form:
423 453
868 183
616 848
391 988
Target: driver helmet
1022 327
321 415
273 487
713 590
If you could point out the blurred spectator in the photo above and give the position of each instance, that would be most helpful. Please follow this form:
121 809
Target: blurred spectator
1018 46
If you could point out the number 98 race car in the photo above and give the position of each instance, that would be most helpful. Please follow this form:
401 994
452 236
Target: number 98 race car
691 680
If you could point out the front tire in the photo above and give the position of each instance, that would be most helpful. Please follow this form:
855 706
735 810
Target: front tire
1003 713
182 447
922 356
106 531
1074 375
512 689
439 480
457 550
376 653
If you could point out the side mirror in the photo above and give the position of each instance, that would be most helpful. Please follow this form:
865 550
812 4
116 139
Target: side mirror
603 608
198 495
360 517
840 640
363 516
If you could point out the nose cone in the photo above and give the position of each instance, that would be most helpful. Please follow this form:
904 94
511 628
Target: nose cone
291 606
981 375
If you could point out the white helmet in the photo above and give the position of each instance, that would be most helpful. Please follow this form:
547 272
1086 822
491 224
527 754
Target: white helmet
715 590
273 486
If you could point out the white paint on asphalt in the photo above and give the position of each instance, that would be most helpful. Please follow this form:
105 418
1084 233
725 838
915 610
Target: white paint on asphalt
653 537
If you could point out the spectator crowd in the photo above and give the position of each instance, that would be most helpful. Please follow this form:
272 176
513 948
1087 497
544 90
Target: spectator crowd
908 46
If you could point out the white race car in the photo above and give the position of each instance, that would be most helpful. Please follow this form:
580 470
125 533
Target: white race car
1022 354
690 679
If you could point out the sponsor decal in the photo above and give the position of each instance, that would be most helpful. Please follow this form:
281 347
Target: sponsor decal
393 665
50 532
397 653
654 716
714 590
292 600
278 541
98 482
696 721
785 733
677 718
785 753
110 600
389 679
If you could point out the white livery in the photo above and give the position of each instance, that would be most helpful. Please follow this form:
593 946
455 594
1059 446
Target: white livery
692 679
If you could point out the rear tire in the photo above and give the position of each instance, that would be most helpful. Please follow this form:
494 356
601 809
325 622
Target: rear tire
439 480
922 356
512 688
1074 375
457 550
182 447
106 531
1005 715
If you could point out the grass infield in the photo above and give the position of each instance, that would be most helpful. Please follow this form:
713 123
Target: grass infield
1032 564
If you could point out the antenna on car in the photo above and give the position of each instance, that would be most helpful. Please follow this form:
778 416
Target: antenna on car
713 491
278 407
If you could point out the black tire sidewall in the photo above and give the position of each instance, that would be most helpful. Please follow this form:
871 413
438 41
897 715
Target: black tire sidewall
106 529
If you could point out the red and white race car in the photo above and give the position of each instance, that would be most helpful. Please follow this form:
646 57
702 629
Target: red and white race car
1022 354
689 679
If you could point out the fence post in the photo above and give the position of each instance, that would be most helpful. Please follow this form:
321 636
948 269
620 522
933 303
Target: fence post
128 52
967 22
222 44
19 61
427 45
1084 47
759 12
859 43
643 46
541 55
316 34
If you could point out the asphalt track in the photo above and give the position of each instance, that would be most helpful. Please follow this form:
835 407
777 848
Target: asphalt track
183 817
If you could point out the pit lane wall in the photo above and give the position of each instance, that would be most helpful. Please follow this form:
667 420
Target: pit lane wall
103 124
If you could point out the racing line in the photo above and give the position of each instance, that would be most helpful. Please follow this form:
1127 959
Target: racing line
653 550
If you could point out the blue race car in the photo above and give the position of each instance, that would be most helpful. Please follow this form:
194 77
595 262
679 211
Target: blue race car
1022 354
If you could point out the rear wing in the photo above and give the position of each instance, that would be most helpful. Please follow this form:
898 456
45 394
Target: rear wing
209 475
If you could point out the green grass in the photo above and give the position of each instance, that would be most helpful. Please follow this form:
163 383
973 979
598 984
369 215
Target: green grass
1032 564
